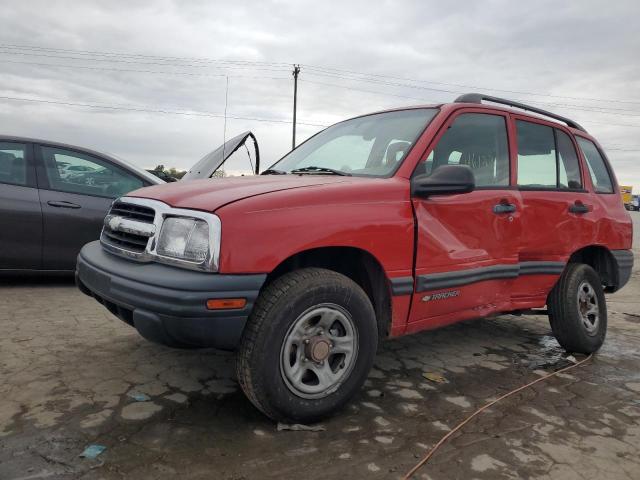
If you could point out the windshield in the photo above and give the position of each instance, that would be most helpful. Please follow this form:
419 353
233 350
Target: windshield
373 145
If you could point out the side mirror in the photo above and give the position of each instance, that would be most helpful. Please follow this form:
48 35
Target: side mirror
445 180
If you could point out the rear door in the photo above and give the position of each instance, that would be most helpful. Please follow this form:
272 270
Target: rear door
557 216
20 214
76 191
467 244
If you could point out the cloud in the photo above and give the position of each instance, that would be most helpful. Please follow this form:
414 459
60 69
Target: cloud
582 49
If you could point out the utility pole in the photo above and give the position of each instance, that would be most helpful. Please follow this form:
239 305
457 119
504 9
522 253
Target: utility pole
296 71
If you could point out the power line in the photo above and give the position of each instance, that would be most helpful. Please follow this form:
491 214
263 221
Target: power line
129 70
138 55
588 108
240 64
594 109
343 73
119 60
362 78
207 114
472 87
151 110
368 91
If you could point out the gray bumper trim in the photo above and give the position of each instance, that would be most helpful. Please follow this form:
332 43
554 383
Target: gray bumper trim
401 286
167 304
624 261
459 278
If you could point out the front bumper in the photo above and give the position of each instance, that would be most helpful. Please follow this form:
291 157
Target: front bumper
167 304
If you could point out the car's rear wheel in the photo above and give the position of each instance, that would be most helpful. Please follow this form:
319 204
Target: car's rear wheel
308 345
578 310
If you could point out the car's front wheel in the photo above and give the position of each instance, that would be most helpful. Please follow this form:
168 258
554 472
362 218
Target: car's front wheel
578 310
308 345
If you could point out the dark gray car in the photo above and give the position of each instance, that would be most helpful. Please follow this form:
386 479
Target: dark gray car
53 199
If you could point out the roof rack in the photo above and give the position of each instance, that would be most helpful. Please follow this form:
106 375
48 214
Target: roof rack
479 97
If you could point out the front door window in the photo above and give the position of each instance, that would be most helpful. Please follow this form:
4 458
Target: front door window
75 172
479 141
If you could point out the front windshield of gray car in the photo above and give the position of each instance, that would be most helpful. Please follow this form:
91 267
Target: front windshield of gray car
373 145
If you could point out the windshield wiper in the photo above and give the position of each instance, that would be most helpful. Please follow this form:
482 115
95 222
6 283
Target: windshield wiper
273 171
313 169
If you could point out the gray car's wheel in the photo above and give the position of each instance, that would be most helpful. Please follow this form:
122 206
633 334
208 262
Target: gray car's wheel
308 346
577 309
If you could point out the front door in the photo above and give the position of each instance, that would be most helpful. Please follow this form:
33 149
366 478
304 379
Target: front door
76 192
20 215
467 244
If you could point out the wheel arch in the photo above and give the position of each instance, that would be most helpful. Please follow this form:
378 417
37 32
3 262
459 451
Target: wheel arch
355 263
602 261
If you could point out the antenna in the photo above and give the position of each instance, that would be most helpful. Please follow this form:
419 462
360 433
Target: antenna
224 131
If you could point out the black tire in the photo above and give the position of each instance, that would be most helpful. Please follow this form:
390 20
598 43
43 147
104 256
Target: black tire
565 317
278 308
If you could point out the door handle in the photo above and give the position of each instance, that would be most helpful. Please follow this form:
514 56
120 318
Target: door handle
63 204
580 208
504 208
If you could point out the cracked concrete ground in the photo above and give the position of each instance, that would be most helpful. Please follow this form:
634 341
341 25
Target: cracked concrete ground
72 375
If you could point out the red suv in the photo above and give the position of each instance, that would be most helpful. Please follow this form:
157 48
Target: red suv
379 226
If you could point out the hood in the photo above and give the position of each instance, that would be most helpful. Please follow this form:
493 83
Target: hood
211 162
210 194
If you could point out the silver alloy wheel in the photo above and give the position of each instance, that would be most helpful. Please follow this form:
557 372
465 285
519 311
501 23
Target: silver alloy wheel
319 351
588 307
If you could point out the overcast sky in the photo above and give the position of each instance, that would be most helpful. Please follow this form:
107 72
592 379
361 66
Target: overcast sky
578 58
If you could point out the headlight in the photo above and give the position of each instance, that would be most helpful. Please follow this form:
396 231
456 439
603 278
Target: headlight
191 240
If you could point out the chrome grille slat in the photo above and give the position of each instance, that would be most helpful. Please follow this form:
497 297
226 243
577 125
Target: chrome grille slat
131 242
127 238
132 215
134 212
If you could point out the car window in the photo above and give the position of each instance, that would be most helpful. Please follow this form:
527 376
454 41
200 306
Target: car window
349 152
568 163
536 155
13 165
597 168
478 140
75 172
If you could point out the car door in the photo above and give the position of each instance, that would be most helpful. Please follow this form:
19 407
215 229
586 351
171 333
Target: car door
557 211
20 213
76 191
467 244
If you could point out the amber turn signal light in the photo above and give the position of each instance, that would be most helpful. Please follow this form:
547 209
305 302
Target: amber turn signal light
225 303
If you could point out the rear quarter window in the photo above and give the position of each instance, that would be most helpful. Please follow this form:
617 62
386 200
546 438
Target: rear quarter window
597 167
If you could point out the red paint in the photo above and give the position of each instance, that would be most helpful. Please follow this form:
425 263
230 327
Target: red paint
267 219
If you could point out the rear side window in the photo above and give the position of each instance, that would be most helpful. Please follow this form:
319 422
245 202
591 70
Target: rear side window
536 156
13 166
597 168
547 158
479 141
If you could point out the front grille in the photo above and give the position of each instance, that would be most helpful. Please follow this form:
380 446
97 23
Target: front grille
134 212
126 240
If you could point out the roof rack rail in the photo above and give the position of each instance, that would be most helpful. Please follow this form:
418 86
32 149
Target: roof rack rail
479 97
